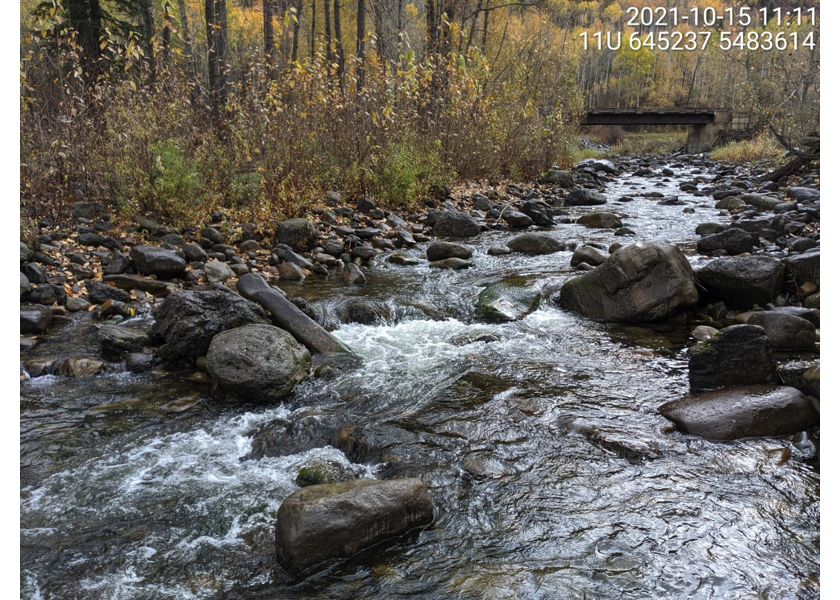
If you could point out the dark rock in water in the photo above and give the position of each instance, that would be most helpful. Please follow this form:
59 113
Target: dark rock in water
262 362
506 301
99 292
76 304
325 522
47 294
802 374
299 234
733 241
600 220
163 263
443 250
117 339
188 320
671 201
498 250
598 164
622 231
353 275
456 225
742 411
138 362
481 466
79 367
786 331
290 272
562 178
132 282
708 228
535 243
290 317
741 281
584 197
35 318
539 213
24 285
638 282
471 337
451 263
809 314
590 256
737 355
405 238
516 219
804 267
365 312
804 194
404 260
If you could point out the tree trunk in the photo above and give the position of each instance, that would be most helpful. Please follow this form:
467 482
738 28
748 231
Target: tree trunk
312 32
147 17
167 34
360 44
86 20
339 45
296 29
328 31
431 28
185 28
215 13
268 35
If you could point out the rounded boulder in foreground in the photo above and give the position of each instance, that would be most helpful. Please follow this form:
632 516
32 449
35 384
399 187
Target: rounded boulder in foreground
258 361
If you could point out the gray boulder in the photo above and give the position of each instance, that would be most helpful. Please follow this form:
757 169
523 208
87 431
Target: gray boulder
539 212
590 256
324 522
598 164
804 267
516 219
707 228
217 271
803 194
299 234
741 281
535 243
444 250
117 339
187 321
638 282
161 262
506 301
584 197
600 220
24 252
786 331
353 274
743 411
456 225
559 177
100 292
24 285
737 355
453 263
262 362
733 241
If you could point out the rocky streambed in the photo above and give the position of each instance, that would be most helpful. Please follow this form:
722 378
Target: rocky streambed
604 384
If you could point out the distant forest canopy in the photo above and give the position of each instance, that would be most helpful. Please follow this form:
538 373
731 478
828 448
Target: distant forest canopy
261 103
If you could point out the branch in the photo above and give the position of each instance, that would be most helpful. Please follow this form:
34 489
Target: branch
789 147
489 8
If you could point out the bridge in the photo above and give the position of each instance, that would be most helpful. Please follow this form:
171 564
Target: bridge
704 123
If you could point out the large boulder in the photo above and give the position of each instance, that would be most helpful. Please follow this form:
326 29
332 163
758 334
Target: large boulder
456 225
741 281
516 219
559 177
332 521
262 362
217 271
444 250
598 164
589 255
638 282
299 234
786 331
187 321
600 220
584 197
161 262
506 301
743 411
804 194
737 355
733 241
535 243
539 212
804 267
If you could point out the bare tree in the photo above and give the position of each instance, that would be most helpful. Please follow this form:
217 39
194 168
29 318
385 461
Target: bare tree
360 43
215 14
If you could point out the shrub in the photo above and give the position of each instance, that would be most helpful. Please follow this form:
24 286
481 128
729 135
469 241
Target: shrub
761 147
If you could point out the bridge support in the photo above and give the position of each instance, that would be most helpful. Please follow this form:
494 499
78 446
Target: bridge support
701 137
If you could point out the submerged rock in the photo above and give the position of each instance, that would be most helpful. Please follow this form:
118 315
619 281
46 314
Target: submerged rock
639 282
262 362
443 250
35 318
117 339
737 355
506 301
742 411
336 521
600 220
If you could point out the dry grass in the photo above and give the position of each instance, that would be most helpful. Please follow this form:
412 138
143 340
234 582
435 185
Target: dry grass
760 148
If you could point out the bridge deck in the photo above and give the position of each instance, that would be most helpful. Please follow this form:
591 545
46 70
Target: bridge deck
649 116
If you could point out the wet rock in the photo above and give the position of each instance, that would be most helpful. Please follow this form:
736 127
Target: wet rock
803 194
24 252
117 339
506 301
804 267
451 263
138 362
212 234
188 320
35 318
456 225
472 336
76 304
498 250
336 521
639 282
47 294
703 332
290 272
404 260
481 466
99 292
539 213
737 355
516 219
25 286
598 164
786 331
534 244
353 275
95 240
584 197
733 241
163 263
803 244
217 271
132 282
153 227
812 381
365 312
742 411
741 281
559 177
34 273
590 256
262 362
323 471
600 220
79 367
812 301
443 250
299 234
117 263
761 202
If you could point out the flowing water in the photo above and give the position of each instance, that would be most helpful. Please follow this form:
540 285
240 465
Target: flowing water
551 472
